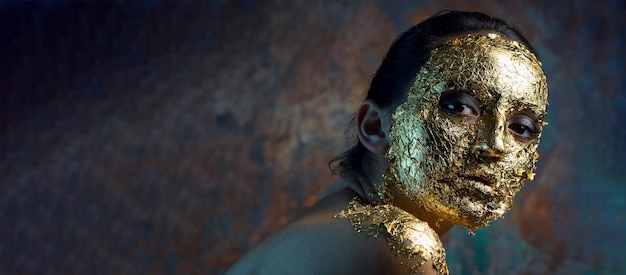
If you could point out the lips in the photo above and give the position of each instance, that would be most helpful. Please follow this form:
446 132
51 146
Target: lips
482 185
482 179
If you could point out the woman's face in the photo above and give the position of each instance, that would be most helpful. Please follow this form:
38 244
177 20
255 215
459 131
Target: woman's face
466 139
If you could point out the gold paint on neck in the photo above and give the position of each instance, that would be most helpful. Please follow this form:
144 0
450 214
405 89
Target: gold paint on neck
405 234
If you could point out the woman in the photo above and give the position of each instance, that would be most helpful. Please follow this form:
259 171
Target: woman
447 136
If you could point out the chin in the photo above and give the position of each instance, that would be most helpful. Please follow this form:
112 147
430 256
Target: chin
471 214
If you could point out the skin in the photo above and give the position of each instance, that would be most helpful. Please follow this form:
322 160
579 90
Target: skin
318 243
490 125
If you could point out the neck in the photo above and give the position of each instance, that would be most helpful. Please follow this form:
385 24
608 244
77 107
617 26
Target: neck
440 226
374 167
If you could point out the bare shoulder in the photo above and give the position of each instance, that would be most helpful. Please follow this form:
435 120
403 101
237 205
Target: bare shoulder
321 243
316 243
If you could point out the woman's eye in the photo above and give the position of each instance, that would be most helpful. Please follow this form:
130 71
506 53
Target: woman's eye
458 108
459 103
524 128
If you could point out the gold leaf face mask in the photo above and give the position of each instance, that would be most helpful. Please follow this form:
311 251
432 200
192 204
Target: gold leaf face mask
466 139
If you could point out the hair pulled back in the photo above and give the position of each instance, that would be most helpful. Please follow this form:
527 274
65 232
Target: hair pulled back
407 54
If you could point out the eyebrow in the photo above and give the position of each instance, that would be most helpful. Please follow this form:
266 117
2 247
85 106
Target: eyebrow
531 108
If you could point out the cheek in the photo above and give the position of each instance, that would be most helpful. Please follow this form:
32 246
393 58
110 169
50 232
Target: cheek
517 166
450 141
453 132
521 163
406 153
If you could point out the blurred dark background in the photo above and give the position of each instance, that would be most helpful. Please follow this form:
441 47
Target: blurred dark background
161 137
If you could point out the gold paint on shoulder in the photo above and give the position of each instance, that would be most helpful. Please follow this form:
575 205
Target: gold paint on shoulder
406 235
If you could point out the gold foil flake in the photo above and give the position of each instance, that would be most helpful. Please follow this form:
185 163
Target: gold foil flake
434 156
407 235
383 194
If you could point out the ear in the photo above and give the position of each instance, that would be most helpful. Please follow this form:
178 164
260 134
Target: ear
369 127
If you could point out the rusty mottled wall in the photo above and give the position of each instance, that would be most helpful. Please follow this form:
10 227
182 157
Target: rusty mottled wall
157 137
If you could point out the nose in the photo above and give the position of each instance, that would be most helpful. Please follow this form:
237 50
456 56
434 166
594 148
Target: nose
491 147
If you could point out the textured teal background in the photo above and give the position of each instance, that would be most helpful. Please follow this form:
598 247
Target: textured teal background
157 137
